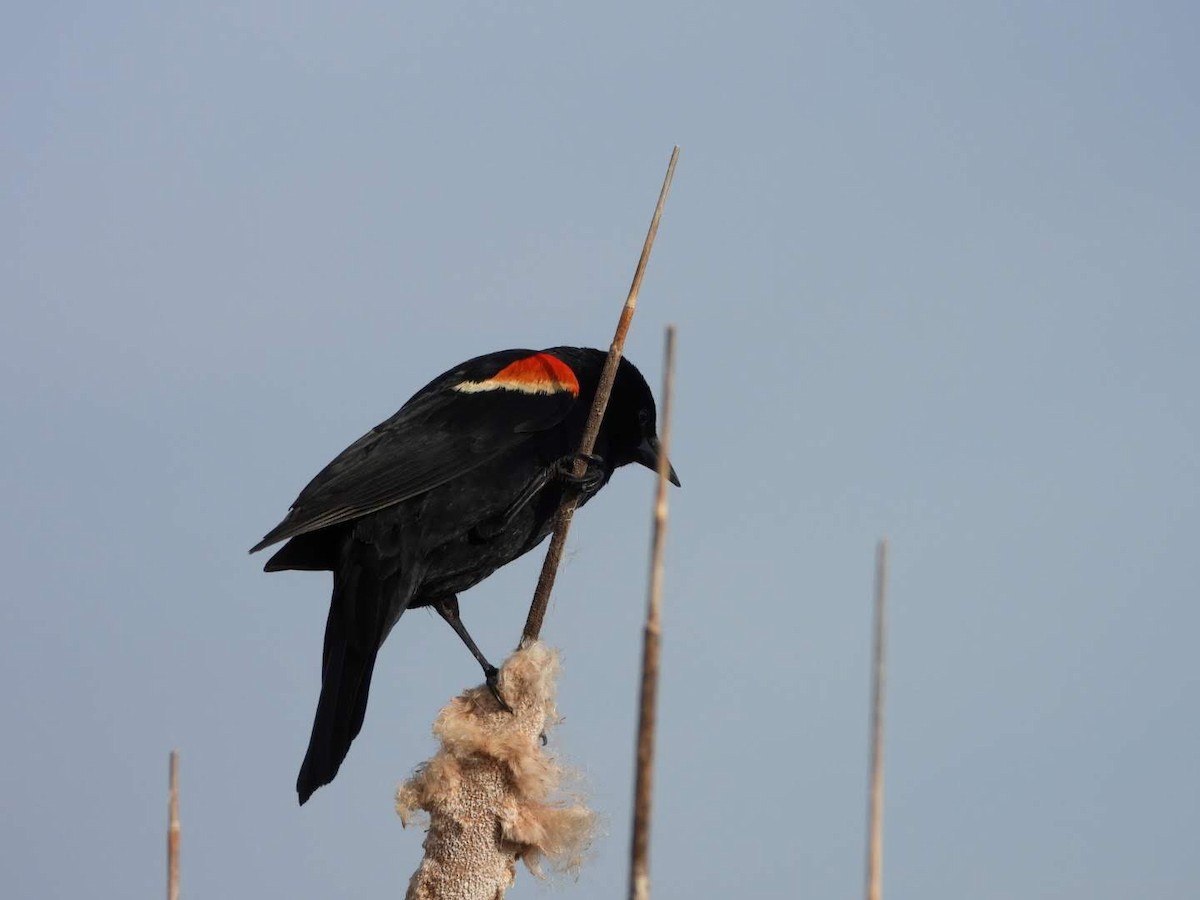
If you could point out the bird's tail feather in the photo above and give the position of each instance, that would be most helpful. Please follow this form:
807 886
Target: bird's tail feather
353 634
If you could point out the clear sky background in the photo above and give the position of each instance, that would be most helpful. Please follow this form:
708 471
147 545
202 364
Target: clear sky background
935 272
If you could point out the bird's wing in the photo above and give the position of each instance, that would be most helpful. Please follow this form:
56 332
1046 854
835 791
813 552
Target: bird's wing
457 422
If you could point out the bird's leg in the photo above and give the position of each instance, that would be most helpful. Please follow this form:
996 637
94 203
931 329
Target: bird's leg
564 470
497 526
447 608
592 477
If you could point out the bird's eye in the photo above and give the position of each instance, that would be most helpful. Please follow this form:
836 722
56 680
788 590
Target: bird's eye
643 417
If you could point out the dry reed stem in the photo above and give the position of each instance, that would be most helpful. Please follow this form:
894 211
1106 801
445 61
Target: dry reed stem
639 867
173 829
541 596
874 879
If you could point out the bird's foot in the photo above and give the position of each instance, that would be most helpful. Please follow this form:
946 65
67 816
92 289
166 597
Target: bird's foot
593 474
492 679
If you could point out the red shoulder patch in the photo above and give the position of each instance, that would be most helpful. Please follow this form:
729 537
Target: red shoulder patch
540 373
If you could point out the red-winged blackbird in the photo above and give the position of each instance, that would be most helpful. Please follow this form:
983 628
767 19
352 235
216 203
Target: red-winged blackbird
466 477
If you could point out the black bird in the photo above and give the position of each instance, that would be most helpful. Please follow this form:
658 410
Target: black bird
465 478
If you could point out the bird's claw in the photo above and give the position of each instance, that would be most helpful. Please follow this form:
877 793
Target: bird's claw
492 679
593 475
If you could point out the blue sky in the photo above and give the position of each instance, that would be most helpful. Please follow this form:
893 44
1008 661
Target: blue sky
933 268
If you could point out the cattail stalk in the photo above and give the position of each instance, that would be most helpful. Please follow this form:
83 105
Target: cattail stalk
643 794
541 596
173 829
874 879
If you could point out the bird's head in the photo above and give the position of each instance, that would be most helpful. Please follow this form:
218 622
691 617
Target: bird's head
631 422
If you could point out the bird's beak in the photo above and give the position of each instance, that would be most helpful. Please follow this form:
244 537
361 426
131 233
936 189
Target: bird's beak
648 453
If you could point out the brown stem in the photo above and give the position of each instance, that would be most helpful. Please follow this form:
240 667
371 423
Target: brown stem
639 868
874 887
173 829
541 596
